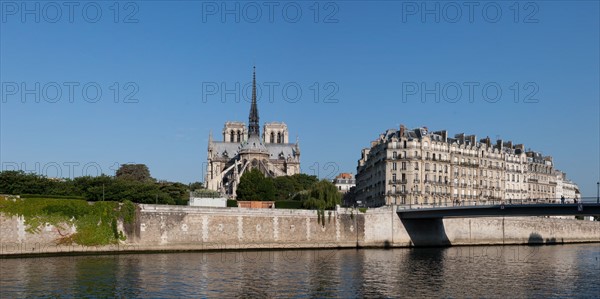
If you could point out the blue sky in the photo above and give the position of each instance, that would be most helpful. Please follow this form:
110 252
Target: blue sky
163 56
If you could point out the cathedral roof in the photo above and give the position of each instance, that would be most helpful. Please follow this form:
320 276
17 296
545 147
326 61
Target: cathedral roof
253 145
275 150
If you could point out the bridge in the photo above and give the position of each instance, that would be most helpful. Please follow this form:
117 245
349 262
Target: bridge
499 209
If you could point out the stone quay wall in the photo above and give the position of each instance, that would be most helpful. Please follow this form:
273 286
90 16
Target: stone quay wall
179 228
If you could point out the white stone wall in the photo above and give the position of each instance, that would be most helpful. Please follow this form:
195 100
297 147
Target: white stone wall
208 202
161 227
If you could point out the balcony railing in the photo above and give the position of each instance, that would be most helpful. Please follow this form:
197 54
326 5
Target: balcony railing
392 182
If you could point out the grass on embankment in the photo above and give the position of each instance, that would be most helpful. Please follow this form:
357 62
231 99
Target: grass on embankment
96 223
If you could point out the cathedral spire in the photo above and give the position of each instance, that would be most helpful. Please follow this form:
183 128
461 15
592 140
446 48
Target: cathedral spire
253 126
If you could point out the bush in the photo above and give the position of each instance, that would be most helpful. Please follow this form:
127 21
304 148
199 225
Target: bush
288 204
128 211
96 223
232 203
51 196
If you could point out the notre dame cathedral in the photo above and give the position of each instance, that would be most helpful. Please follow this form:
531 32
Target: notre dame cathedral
244 148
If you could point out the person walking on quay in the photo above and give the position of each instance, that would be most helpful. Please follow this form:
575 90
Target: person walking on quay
562 199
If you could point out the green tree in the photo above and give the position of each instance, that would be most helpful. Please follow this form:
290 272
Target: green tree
284 187
266 189
136 188
291 186
134 172
255 186
323 195
304 181
196 186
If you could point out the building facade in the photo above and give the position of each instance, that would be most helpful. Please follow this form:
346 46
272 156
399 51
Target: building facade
422 167
244 148
344 181
566 188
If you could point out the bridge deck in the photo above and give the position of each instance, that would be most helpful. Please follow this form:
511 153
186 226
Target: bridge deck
580 209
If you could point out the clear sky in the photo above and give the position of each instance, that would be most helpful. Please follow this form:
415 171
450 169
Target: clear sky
375 64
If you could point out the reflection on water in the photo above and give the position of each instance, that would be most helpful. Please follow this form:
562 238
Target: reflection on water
508 271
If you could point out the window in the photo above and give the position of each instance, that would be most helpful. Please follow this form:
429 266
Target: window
394 155
394 166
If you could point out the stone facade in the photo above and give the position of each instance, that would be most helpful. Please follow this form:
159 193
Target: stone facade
244 148
422 167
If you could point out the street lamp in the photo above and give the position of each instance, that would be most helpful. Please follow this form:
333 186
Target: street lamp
598 192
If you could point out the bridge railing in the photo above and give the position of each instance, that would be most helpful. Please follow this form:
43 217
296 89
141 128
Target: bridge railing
474 203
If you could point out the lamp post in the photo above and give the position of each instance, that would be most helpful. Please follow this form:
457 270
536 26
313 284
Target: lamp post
598 192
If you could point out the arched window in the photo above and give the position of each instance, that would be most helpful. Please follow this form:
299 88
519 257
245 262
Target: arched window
239 136
231 135
279 137
272 137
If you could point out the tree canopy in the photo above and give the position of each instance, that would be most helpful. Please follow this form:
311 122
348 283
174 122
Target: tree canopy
323 195
134 172
255 186
97 188
136 185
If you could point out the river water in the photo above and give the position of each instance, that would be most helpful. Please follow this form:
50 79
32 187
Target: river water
485 271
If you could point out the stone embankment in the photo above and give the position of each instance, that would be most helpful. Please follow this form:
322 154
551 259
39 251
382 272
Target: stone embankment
175 228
